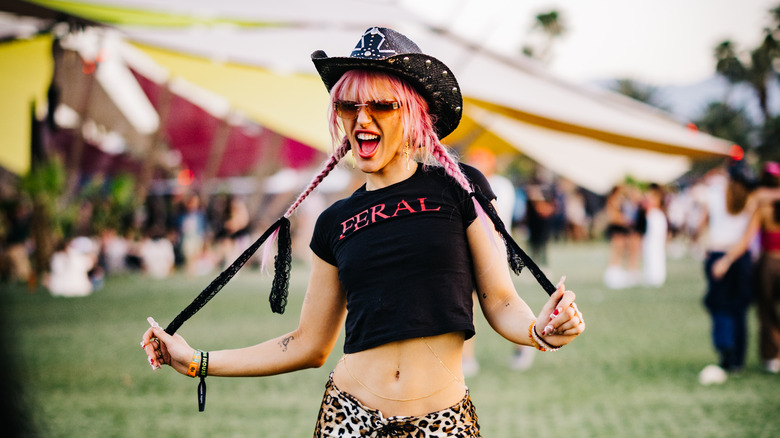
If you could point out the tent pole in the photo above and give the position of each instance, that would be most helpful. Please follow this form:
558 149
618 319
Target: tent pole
150 161
73 167
265 166
217 152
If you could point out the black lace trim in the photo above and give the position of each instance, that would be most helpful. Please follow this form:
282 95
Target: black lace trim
282 265
280 285
516 257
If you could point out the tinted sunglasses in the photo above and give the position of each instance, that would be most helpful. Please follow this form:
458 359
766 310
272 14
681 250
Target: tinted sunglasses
349 110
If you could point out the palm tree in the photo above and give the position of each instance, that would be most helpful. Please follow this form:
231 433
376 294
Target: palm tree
644 93
758 71
729 66
761 70
552 28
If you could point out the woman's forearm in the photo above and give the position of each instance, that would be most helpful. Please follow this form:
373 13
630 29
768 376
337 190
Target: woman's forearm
289 352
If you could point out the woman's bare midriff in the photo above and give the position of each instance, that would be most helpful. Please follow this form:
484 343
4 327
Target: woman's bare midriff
411 377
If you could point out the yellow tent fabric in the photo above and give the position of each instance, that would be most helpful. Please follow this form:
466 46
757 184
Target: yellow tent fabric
25 76
116 14
293 105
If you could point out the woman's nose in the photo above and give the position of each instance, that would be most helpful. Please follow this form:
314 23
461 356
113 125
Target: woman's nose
363 116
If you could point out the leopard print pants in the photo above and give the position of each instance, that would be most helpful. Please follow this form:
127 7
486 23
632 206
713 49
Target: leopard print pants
342 415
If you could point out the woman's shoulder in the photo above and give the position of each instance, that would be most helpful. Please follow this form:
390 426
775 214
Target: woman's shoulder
474 175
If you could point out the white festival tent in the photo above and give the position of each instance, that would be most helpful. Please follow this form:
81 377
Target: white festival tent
592 137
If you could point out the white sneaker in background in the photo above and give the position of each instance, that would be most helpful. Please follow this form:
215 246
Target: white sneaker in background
772 365
615 277
712 375
523 358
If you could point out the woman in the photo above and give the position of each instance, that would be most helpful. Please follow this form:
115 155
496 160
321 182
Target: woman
765 223
729 292
623 261
398 259
655 237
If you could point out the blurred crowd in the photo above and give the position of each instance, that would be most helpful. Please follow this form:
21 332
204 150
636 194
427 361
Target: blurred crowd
644 224
175 233
714 219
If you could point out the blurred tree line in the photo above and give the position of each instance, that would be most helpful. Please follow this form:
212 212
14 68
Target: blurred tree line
757 67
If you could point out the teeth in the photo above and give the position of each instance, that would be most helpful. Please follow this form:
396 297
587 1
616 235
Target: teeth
366 136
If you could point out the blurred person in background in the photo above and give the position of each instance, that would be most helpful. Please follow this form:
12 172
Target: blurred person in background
233 237
623 268
539 219
113 251
655 237
191 226
156 253
577 220
485 161
70 267
16 243
764 224
395 263
729 291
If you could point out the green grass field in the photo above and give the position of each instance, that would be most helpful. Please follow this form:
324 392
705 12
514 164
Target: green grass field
633 373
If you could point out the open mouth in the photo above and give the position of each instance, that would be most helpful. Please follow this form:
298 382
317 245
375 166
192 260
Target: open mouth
367 144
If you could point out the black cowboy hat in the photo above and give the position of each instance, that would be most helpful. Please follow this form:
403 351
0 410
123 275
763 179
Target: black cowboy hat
388 51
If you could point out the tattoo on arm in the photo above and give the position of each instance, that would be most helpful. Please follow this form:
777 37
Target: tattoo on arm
285 342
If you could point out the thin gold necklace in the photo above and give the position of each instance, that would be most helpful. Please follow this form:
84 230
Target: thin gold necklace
454 379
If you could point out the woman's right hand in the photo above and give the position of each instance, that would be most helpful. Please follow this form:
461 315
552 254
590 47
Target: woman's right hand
164 349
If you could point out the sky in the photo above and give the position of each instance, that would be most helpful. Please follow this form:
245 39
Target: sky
659 42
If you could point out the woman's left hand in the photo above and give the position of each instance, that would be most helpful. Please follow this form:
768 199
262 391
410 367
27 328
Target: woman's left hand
560 320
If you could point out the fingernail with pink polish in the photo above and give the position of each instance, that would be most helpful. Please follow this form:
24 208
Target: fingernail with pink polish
547 329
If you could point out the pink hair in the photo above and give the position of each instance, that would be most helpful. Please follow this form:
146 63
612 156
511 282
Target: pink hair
361 86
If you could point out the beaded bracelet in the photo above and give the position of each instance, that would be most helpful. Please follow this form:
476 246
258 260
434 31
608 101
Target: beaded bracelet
537 340
192 369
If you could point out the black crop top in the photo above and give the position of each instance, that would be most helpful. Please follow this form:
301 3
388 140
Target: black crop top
403 258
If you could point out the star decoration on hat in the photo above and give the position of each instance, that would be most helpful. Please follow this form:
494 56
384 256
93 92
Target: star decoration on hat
371 45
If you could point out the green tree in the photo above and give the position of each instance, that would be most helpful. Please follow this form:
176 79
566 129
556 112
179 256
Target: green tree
769 146
728 65
551 27
644 93
51 220
729 123
757 69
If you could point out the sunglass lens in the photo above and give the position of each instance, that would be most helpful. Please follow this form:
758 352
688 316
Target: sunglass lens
381 109
347 110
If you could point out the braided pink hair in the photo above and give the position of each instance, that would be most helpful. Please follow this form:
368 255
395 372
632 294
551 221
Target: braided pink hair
330 164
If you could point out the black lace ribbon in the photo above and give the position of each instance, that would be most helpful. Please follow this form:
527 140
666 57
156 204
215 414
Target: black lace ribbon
281 282
516 257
